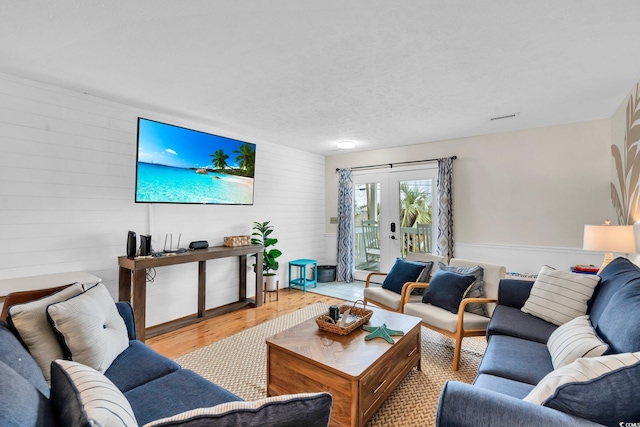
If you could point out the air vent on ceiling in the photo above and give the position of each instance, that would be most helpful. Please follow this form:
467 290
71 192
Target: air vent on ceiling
508 116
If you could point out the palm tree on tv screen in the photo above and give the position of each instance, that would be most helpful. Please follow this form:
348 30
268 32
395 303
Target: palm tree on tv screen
246 158
220 159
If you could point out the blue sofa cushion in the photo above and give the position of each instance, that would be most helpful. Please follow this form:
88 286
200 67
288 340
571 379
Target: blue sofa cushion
516 359
126 312
404 271
616 275
83 396
177 392
619 323
306 409
462 404
513 322
13 353
601 389
514 292
447 289
503 385
124 373
22 403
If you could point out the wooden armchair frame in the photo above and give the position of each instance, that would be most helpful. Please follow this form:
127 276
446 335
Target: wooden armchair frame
460 332
404 296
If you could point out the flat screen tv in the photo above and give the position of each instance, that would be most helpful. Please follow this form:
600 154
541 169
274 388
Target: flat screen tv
179 165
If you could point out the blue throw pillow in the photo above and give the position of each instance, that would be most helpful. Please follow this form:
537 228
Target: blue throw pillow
446 290
404 271
601 389
303 409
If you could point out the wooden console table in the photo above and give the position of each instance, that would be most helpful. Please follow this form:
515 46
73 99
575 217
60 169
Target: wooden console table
132 277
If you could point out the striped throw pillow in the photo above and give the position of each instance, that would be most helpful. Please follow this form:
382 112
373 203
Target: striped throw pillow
601 389
559 296
83 396
573 340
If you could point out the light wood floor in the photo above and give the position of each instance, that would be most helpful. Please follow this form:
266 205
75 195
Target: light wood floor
182 341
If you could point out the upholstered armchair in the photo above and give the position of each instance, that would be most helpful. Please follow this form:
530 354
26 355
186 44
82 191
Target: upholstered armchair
392 297
451 304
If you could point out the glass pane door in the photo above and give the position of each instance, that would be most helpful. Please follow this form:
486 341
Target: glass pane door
393 216
416 216
367 226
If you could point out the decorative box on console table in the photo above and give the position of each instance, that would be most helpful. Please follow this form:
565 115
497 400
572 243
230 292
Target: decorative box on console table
237 241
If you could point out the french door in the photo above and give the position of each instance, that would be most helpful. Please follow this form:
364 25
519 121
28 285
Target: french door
394 214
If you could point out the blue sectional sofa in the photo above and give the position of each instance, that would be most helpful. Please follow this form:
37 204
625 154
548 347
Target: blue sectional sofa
518 363
154 386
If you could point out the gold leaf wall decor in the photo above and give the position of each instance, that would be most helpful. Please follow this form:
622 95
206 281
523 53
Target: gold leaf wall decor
625 197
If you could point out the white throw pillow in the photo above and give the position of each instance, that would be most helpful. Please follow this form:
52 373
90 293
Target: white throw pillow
83 396
30 320
559 296
91 326
573 340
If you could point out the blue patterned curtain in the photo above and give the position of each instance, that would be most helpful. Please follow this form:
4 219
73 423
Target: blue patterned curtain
445 209
346 263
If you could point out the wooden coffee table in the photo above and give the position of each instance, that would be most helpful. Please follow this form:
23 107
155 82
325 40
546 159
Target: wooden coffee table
359 374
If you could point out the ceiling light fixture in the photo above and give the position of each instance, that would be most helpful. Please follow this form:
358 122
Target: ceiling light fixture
345 145
508 116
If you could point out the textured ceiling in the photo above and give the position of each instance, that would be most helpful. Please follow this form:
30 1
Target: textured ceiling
307 73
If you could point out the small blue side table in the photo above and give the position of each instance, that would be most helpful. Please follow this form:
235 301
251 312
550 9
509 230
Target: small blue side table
302 280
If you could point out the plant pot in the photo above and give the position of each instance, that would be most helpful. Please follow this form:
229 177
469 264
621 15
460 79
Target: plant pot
271 281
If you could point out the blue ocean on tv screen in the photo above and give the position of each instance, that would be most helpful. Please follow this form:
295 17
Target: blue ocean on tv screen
158 183
180 165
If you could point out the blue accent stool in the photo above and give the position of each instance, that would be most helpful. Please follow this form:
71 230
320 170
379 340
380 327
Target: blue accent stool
302 280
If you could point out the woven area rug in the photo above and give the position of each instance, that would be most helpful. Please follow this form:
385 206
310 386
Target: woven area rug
238 363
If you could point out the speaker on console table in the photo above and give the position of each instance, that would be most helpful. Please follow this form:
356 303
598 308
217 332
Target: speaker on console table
200 244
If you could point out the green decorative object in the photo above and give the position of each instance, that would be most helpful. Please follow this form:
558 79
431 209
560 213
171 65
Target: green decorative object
381 332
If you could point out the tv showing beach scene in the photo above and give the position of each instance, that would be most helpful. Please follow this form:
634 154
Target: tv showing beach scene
179 165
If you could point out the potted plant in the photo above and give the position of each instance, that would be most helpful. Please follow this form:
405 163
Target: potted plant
269 263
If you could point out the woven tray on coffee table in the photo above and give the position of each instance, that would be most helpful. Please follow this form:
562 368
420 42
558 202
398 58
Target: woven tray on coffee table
326 323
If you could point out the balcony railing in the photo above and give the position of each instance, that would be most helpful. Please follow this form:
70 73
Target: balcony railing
411 240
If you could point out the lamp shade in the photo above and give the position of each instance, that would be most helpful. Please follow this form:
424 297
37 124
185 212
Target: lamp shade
609 238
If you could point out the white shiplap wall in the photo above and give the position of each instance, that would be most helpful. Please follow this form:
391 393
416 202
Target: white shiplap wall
67 171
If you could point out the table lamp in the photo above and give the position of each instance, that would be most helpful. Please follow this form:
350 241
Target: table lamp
609 238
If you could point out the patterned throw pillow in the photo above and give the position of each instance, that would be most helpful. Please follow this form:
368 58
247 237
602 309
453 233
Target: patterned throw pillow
304 409
573 340
30 320
476 290
83 396
601 389
91 327
559 296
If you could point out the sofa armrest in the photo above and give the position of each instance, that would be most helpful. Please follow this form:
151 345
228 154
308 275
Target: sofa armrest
514 292
126 312
462 404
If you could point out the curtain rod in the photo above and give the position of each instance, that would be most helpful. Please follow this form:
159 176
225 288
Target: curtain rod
390 165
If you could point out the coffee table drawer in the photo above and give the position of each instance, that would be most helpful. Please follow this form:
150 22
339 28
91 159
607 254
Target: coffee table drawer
384 376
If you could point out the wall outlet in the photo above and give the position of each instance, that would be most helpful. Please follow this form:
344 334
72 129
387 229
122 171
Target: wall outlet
333 220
